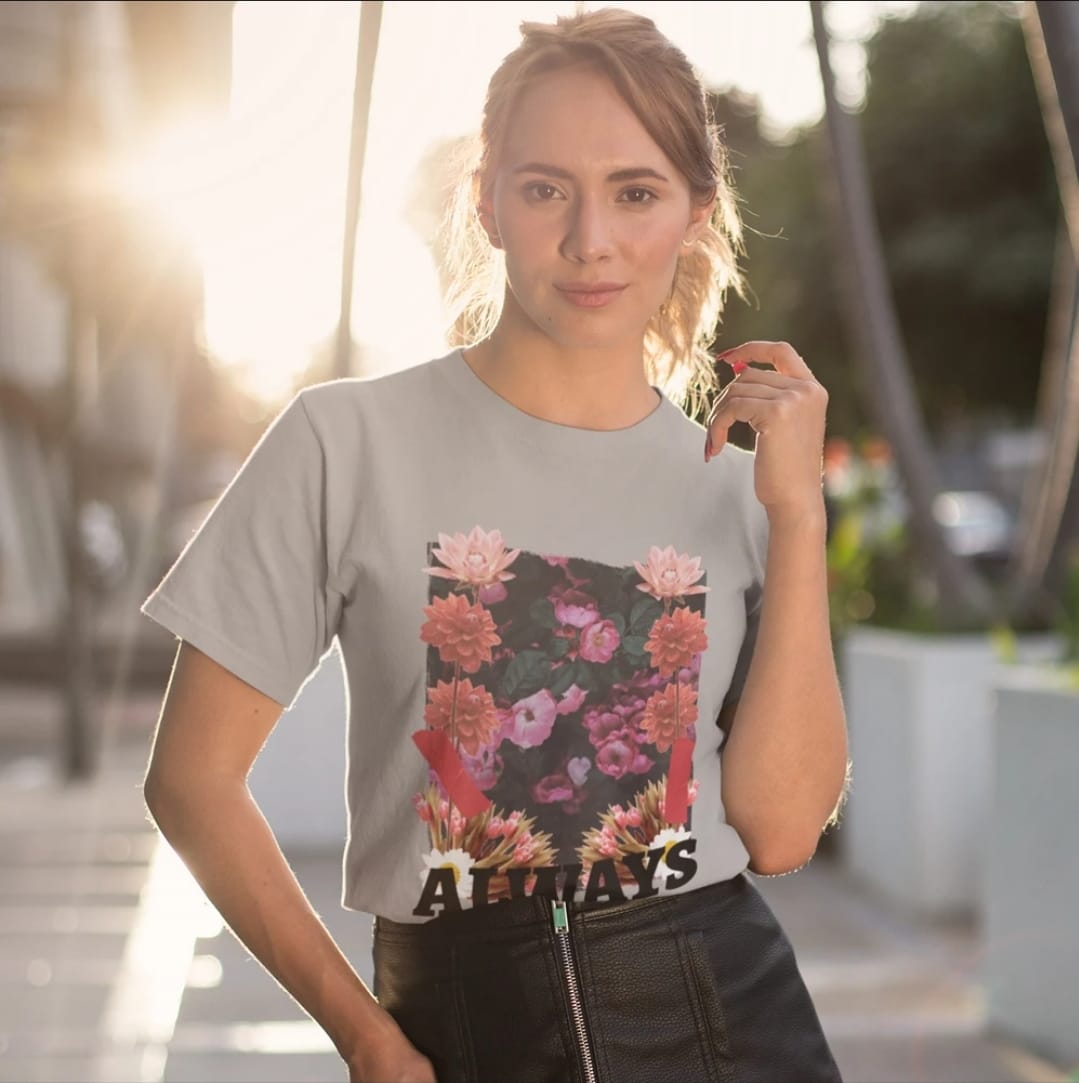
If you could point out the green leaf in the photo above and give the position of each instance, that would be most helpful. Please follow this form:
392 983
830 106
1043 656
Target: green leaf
526 674
542 613
645 612
559 647
563 678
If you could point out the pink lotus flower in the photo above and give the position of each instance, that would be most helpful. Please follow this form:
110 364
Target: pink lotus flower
668 574
462 631
468 709
531 719
675 638
599 641
476 559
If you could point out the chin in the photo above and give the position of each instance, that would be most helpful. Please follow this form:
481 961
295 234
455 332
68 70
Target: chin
591 331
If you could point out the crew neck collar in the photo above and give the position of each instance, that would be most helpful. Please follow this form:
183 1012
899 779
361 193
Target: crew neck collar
552 436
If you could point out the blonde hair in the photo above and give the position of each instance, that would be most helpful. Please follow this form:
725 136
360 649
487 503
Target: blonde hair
658 83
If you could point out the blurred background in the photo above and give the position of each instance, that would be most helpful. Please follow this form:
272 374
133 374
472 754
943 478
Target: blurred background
205 206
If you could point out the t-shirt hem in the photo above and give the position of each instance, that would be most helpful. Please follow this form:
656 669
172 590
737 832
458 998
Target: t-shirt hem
352 900
165 612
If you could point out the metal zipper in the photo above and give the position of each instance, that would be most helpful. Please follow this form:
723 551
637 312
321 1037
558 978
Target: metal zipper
573 988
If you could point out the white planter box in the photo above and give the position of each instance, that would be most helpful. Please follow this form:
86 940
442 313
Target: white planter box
918 711
1031 933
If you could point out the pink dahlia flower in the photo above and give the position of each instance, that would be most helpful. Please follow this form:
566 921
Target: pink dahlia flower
668 714
470 712
461 630
675 638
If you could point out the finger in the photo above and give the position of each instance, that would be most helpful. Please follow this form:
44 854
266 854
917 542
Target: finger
749 405
748 389
764 377
782 355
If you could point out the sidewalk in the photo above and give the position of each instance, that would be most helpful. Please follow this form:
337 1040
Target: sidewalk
114 968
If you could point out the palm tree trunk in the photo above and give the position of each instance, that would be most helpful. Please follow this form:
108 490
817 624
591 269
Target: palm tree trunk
1049 514
366 54
874 328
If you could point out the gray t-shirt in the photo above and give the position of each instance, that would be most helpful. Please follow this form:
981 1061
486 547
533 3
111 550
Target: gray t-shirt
539 625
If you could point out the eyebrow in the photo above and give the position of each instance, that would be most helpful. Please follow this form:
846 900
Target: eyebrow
635 173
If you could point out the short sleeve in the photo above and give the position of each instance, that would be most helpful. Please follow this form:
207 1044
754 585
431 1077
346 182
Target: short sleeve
756 534
251 587
754 599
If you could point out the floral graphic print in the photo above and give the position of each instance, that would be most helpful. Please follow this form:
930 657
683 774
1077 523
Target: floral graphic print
560 721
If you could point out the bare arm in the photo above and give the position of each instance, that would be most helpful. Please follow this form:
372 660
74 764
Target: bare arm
785 763
211 729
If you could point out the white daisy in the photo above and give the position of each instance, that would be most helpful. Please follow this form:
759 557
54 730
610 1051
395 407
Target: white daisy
458 860
666 838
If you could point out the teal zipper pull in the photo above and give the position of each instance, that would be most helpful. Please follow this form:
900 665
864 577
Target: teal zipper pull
561 917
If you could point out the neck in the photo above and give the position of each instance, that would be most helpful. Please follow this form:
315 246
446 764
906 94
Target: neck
587 388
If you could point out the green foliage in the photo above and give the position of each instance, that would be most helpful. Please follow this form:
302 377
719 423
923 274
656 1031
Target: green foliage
870 564
1067 620
966 200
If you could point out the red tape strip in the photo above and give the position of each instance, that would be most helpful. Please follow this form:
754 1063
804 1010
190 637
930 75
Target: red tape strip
676 801
439 752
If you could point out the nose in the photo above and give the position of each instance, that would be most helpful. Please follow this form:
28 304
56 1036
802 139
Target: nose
589 231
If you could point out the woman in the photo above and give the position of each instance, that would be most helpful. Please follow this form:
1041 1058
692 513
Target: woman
548 586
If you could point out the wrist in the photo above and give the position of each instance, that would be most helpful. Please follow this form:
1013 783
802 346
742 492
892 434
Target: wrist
810 515
364 1027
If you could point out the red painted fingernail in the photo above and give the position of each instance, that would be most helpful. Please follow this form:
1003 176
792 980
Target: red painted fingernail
739 366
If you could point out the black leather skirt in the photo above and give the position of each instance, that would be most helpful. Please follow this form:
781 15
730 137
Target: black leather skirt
700 985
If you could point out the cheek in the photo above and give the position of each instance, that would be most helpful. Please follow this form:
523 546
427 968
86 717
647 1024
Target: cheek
656 241
656 257
529 248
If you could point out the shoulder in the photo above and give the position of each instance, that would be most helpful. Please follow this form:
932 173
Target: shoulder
351 394
344 413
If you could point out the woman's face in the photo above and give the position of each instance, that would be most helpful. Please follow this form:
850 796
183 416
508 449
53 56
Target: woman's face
590 212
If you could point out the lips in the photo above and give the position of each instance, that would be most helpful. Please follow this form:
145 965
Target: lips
591 294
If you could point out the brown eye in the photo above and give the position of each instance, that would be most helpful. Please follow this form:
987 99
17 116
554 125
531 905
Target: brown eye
542 191
638 195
